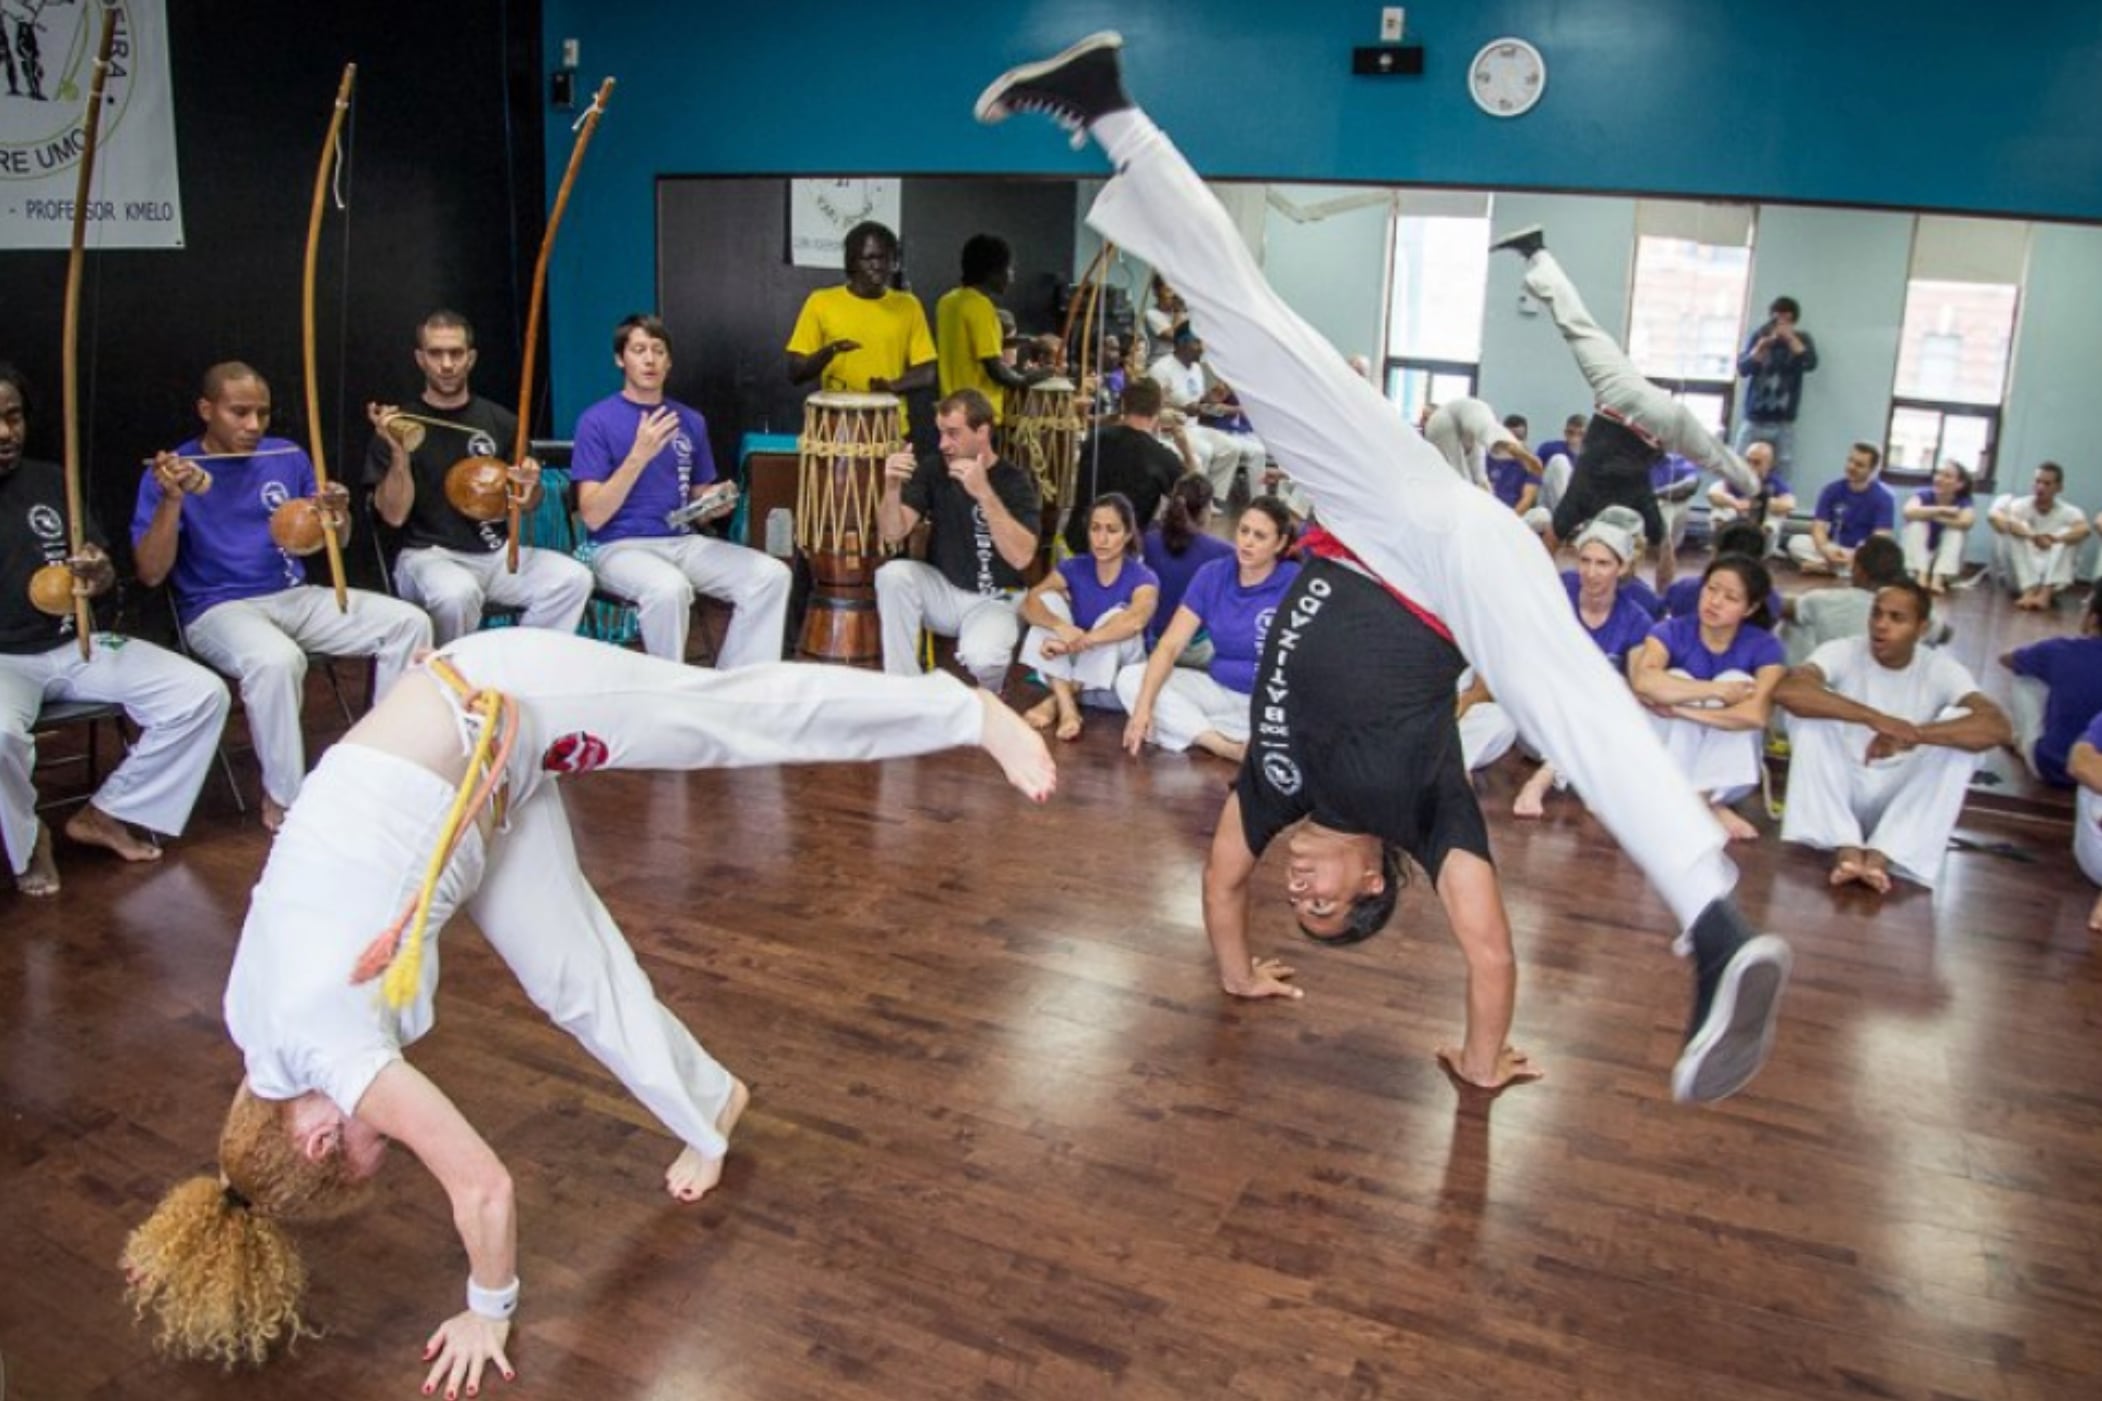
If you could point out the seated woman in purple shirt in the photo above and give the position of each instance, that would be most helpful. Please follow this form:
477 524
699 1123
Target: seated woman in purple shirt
2057 690
1234 600
1709 679
1087 618
1606 549
1177 548
1938 520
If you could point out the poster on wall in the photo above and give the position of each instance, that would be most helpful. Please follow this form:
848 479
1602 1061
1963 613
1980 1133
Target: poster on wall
821 211
47 61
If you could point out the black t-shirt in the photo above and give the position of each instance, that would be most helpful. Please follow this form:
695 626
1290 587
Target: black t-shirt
1135 463
961 545
1615 452
32 535
1351 722
485 430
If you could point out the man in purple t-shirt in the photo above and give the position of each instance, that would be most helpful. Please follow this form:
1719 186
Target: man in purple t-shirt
1848 512
245 605
640 456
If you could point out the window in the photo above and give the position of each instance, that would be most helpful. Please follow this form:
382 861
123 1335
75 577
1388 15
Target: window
1439 286
1693 268
1956 345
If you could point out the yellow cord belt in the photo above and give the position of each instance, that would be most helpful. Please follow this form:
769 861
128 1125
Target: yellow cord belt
398 951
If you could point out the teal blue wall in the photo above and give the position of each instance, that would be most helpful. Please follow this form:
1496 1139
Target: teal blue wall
1925 104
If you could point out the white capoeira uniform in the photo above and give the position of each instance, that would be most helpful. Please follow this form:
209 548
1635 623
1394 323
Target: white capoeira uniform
2027 567
1219 454
1392 498
1927 557
352 854
1095 670
1724 764
1621 388
263 643
454 585
2087 833
179 707
1464 430
662 573
1904 806
1190 702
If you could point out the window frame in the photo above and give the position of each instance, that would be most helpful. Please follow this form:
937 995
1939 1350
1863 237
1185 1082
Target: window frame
1985 472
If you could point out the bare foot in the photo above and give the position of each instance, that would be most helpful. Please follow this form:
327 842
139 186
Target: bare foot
1847 869
1067 697
1018 749
691 1176
273 815
1212 742
40 876
1733 826
1875 872
1532 799
1039 715
91 826
2094 917
1513 1067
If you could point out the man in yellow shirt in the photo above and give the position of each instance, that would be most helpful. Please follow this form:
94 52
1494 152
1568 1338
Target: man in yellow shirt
864 336
967 327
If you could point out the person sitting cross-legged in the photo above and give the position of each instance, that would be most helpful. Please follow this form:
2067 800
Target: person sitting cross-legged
1709 680
1088 618
1884 734
1234 600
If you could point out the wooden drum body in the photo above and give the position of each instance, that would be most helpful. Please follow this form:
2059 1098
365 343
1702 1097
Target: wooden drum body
1042 435
846 438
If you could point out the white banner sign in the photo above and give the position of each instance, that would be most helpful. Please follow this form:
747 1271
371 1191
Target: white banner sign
821 211
47 64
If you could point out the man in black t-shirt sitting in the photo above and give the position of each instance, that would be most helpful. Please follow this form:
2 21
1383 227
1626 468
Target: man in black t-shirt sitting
1128 457
449 564
1355 750
984 511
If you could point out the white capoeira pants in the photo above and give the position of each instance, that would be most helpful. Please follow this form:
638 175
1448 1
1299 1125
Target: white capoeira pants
1486 735
1190 703
1903 807
1724 764
179 707
660 576
911 595
1391 497
1943 560
1720 517
453 585
263 643
534 904
1617 384
1221 454
1095 670
1554 483
2087 833
2028 567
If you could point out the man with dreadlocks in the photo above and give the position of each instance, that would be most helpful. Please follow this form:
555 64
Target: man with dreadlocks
440 800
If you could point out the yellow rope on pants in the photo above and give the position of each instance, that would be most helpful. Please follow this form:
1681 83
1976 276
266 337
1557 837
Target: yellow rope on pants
398 951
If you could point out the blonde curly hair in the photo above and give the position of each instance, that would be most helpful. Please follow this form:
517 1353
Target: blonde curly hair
213 1265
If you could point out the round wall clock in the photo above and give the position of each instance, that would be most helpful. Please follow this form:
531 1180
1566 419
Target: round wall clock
1507 77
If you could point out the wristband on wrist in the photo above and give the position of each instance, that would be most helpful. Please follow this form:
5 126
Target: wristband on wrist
498 1304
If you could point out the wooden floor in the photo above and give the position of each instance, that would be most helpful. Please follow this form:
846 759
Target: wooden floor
1008 1139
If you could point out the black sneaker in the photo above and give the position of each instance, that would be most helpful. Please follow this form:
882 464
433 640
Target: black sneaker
1073 89
1739 977
1524 242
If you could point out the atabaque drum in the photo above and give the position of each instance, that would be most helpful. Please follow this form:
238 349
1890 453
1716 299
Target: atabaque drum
846 438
